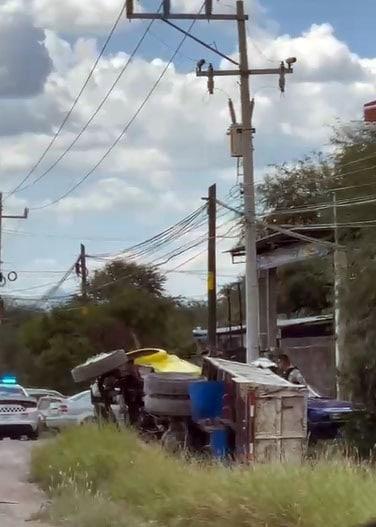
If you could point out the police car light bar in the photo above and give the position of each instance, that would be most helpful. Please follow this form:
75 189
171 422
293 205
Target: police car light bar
8 380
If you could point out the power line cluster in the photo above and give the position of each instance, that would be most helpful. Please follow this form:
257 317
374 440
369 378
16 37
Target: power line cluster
156 251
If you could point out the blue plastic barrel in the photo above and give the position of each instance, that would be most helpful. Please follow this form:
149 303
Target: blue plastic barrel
207 399
219 443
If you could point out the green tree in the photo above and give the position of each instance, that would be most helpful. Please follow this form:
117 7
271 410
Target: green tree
120 275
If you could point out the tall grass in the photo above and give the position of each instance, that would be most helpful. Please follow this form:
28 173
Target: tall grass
140 484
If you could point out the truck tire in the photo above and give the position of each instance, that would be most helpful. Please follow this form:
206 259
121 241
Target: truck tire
168 406
96 367
168 383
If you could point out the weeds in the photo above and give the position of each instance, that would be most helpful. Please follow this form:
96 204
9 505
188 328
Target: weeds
123 480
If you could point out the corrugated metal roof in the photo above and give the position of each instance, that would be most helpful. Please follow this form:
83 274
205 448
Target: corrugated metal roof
281 323
249 374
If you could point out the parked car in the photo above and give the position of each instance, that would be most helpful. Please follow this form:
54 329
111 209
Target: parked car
326 416
44 406
37 393
19 414
70 411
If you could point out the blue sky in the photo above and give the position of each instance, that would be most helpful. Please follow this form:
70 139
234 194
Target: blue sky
353 21
178 144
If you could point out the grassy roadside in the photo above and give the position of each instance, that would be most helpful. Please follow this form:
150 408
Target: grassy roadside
106 478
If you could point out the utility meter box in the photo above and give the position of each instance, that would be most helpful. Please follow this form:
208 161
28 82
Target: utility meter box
236 140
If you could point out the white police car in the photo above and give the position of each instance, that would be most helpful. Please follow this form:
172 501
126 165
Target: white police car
19 415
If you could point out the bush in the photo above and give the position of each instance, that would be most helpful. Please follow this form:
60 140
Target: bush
142 481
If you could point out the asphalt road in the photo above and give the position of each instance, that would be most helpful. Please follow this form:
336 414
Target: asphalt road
19 499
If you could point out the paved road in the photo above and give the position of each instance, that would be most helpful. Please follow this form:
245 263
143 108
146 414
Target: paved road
19 499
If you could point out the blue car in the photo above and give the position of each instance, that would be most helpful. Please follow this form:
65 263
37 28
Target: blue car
326 416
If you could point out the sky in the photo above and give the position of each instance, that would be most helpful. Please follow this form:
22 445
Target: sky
176 146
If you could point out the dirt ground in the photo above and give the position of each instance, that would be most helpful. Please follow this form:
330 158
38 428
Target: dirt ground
19 499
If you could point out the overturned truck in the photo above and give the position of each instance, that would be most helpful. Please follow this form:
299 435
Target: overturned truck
226 409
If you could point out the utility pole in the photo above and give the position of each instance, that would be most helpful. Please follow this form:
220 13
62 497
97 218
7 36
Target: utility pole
2 276
212 275
83 271
3 216
339 264
244 133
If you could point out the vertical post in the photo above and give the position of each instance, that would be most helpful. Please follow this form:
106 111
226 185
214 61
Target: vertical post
229 314
212 274
240 300
251 283
212 282
339 261
83 270
1 229
272 308
2 310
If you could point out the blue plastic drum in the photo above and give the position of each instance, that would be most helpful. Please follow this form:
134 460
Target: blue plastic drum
207 399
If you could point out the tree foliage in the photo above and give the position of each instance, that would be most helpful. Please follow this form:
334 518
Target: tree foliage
121 275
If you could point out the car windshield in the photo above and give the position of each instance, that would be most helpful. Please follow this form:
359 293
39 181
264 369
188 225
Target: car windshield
11 391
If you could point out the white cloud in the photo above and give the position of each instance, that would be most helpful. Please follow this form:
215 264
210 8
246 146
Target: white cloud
76 16
111 193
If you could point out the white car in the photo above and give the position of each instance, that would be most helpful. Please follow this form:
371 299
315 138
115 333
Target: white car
75 410
71 411
19 415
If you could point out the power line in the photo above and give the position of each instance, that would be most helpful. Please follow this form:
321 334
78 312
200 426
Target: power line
63 236
75 102
167 234
354 161
97 110
125 129
320 206
31 288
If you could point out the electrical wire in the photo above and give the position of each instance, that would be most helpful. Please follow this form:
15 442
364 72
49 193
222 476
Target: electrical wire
31 288
166 234
56 287
95 113
320 206
125 129
75 102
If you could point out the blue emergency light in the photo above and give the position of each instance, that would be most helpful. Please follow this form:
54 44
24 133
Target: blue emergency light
8 379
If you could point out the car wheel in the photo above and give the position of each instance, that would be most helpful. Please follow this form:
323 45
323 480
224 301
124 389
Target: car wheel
168 383
33 436
96 367
168 406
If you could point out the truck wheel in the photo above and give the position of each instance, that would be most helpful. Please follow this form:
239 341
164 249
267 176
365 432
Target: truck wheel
97 366
168 383
168 406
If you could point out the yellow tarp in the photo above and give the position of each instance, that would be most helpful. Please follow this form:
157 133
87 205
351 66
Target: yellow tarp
163 362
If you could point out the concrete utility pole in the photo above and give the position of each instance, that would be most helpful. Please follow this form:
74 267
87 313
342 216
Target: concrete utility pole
83 271
244 131
212 278
24 216
12 276
339 264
